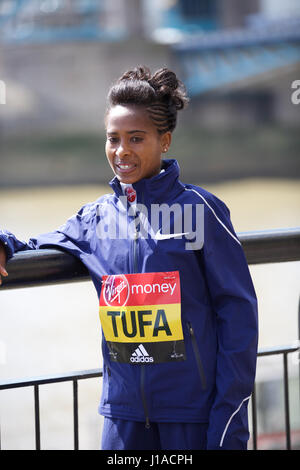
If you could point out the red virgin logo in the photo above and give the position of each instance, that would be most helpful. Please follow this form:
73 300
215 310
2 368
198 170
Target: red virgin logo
116 290
130 193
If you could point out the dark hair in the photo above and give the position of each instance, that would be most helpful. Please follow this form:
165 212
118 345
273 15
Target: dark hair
161 93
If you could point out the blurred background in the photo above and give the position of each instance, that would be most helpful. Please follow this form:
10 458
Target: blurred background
239 138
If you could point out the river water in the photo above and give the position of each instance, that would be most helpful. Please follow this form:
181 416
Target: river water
55 329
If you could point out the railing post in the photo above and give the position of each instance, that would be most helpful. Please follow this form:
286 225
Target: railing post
254 419
75 413
37 417
286 402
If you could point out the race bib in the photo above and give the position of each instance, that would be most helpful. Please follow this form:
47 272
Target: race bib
140 316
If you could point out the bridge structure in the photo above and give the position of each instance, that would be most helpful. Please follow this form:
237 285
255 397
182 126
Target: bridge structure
229 57
208 56
48 21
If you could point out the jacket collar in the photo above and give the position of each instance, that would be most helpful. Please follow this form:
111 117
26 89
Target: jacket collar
157 189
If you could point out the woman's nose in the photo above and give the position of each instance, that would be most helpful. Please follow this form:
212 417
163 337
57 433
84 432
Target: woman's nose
122 150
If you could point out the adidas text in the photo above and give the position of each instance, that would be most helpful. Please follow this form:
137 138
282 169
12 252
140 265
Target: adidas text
142 359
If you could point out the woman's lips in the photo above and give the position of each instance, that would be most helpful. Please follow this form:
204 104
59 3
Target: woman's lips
126 167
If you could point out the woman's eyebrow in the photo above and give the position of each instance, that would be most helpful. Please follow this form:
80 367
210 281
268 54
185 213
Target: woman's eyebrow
128 132
136 130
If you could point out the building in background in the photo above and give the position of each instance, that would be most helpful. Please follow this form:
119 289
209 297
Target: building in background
237 59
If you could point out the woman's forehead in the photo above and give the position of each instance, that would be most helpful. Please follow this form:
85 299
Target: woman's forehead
128 117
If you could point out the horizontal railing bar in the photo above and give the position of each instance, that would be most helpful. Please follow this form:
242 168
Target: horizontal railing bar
48 379
32 268
93 373
52 266
271 246
278 350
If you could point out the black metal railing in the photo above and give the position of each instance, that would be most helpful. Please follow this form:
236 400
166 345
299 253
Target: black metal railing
284 351
50 379
74 377
42 267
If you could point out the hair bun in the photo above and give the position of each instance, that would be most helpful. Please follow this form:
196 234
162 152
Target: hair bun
165 83
138 73
168 87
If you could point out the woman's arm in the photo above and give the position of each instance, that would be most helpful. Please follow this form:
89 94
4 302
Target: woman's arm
3 272
235 305
70 237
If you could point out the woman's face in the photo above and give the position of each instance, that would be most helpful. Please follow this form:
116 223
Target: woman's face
133 146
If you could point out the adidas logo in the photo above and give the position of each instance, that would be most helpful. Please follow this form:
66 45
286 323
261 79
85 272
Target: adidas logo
141 355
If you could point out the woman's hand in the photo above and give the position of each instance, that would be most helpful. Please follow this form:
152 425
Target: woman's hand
3 271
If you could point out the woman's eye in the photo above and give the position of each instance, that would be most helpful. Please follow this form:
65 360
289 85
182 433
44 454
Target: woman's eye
137 139
112 140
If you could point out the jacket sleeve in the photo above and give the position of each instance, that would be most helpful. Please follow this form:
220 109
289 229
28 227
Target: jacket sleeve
235 305
70 237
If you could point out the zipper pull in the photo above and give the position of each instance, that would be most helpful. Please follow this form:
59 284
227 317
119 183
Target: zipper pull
190 328
147 425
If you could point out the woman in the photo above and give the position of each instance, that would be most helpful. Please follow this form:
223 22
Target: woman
177 305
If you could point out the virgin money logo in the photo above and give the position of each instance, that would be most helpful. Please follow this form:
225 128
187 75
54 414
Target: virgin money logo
116 290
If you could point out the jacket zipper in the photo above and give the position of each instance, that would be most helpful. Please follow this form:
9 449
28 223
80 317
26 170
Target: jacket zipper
136 236
135 264
143 371
145 405
197 356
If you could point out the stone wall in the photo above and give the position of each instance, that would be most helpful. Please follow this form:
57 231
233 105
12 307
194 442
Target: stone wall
62 87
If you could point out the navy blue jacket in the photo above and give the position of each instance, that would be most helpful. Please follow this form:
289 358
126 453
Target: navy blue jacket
218 306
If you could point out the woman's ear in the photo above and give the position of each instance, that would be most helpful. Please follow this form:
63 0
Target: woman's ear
166 139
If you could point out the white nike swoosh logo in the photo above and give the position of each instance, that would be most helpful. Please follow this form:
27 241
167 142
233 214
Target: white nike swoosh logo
161 236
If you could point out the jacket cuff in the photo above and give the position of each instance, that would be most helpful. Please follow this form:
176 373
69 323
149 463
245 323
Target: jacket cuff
4 241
